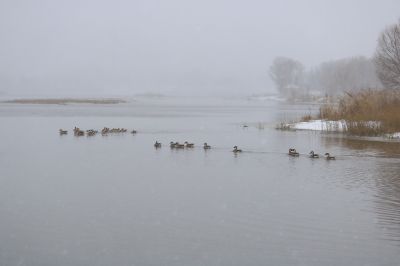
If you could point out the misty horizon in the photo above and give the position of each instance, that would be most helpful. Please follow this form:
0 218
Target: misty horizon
175 47
218 133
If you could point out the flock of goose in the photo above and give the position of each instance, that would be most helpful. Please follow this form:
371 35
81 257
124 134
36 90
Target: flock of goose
292 152
92 132
176 145
312 154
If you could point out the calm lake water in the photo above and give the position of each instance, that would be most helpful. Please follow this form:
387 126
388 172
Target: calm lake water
116 200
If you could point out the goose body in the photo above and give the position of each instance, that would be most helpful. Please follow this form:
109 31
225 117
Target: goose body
63 132
313 155
78 132
206 146
329 157
189 145
179 146
293 152
236 150
105 130
157 144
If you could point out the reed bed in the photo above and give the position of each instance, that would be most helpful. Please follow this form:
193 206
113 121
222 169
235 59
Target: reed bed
366 113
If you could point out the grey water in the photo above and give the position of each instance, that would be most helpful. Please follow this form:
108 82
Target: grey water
116 200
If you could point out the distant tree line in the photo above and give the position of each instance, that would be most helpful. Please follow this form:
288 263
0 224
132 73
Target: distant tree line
345 75
328 78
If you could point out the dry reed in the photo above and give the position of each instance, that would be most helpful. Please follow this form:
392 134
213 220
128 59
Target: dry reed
367 113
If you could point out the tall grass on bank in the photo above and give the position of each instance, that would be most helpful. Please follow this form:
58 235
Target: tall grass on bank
366 113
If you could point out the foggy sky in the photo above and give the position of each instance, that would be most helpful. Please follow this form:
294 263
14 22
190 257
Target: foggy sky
187 47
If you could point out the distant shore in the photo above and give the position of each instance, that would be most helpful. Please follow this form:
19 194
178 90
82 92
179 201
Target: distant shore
63 101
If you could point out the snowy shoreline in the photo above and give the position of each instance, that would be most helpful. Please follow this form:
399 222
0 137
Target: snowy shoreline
319 125
329 126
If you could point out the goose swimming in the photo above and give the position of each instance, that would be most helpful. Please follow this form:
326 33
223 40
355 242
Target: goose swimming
206 146
293 152
157 144
189 145
236 150
313 155
329 157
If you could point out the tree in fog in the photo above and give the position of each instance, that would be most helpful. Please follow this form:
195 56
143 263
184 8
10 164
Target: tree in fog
287 75
349 74
328 78
387 57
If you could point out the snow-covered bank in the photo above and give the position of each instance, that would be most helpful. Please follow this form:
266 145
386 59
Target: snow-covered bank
330 126
319 125
394 135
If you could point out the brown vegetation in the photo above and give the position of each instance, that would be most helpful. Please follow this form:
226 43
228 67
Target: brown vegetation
368 112
306 118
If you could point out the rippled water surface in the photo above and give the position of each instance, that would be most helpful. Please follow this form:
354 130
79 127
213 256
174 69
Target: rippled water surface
115 200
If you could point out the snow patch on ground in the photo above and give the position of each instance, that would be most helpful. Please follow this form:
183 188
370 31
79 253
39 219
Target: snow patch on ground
332 126
395 135
319 125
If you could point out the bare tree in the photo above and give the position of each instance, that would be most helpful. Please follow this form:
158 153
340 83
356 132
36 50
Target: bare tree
287 75
387 57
